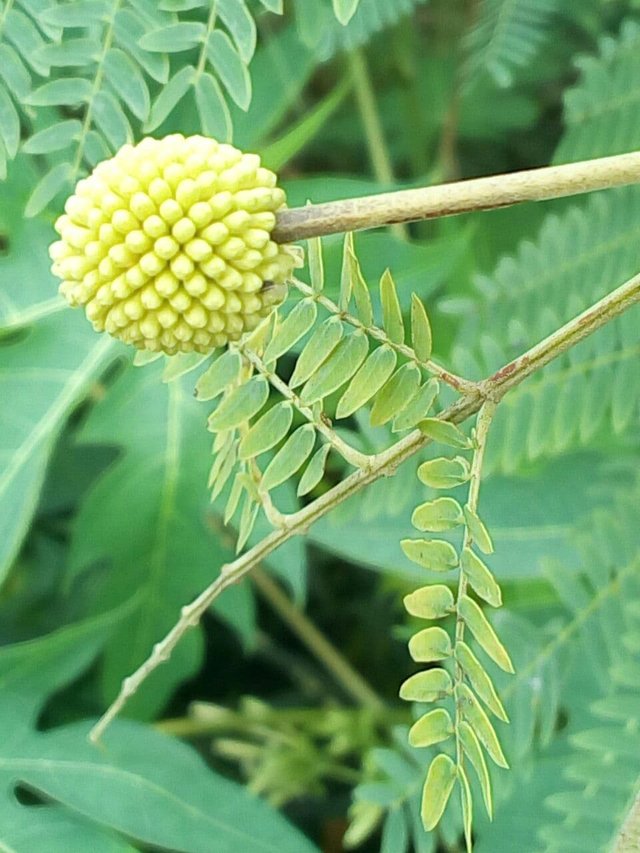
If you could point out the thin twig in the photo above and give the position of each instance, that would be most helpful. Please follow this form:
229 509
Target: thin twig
483 423
383 464
356 214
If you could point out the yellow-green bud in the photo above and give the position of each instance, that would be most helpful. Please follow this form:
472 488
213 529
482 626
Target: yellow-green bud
168 244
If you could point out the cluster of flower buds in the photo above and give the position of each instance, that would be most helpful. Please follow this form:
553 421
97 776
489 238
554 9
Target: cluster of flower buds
168 244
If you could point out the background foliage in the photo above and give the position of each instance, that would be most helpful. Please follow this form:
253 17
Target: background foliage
106 528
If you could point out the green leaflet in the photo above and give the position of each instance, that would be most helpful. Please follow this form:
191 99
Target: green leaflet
275 6
480 723
467 807
53 138
182 363
437 790
474 753
430 644
234 498
222 467
290 457
418 407
239 21
53 182
347 272
438 515
361 294
430 602
444 473
338 368
127 79
345 10
434 727
480 578
174 38
229 67
66 91
316 264
444 432
479 680
240 405
170 95
479 533
396 394
433 554
294 327
483 632
319 347
392 320
429 686
224 371
314 471
367 381
267 432
213 111
248 518
421 337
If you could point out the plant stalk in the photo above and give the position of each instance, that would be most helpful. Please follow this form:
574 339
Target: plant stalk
373 211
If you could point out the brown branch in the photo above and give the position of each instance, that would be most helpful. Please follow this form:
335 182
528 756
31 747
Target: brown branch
356 214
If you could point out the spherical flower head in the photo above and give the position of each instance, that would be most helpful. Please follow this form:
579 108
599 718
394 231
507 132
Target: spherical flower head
168 244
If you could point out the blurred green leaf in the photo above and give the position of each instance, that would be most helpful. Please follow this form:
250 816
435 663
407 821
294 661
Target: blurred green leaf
147 519
139 783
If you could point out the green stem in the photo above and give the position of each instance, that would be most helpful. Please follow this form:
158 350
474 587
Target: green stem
211 22
335 663
374 131
483 423
97 83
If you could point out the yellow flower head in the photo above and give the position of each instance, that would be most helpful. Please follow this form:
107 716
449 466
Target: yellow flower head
168 244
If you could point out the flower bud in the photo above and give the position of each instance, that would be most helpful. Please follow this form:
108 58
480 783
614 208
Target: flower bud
168 244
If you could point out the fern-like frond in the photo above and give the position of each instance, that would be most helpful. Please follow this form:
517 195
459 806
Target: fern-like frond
577 258
23 36
602 113
320 30
596 812
507 35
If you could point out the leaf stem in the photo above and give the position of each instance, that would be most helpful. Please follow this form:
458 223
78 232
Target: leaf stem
383 464
483 423
373 211
95 88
